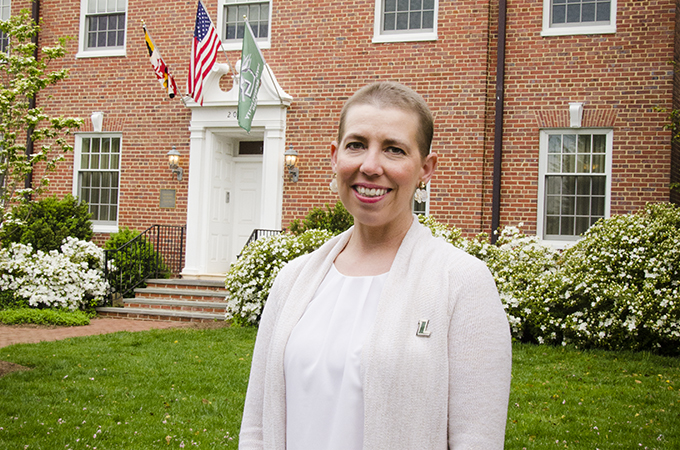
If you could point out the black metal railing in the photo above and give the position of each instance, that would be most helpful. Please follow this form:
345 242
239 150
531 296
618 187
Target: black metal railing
158 252
257 234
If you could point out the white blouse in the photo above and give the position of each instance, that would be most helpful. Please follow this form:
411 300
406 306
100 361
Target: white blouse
322 363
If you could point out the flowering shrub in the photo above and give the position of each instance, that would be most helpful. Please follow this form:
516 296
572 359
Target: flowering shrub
251 277
72 278
619 287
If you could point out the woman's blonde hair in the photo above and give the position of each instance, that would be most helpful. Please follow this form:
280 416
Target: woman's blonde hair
388 94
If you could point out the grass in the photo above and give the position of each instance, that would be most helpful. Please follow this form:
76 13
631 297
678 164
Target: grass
66 318
165 388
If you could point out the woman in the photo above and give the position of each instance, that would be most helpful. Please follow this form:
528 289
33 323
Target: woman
385 337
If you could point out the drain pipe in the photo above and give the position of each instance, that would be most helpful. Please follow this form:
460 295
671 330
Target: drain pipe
35 15
498 131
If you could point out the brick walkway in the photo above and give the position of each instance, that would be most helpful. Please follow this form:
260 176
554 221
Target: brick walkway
15 334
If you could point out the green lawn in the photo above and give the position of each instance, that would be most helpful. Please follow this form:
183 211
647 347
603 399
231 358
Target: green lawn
182 388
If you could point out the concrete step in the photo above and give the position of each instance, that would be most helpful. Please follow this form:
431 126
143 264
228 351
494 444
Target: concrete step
176 305
158 314
181 294
182 283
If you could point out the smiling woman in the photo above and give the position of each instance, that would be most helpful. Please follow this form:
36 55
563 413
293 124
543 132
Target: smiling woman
385 337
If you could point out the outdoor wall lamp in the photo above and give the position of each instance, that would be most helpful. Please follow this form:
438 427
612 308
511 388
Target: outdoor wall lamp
291 157
173 160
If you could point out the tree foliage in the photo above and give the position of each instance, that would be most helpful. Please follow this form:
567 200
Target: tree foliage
22 77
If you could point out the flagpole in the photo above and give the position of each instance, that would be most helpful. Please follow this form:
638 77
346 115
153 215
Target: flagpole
221 47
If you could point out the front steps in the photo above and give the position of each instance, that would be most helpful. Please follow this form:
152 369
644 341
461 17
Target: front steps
177 300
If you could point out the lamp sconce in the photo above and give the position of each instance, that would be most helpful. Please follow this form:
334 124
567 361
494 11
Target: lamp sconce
173 162
97 121
575 114
291 157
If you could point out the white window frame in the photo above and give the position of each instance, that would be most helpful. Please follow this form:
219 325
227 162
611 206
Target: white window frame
406 36
97 226
237 44
83 51
569 30
543 172
5 14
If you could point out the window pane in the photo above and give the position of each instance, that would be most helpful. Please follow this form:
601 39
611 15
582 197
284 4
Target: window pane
428 19
569 141
554 185
598 164
554 163
113 213
568 163
414 21
402 5
390 22
598 186
568 206
428 4
390 5
555 143
567 226
603 11
573 13
552 205
402 21
559 14
583 164
584 143
599 143
552 225
582 225
597 207
583 185
568 185
416 5
582 206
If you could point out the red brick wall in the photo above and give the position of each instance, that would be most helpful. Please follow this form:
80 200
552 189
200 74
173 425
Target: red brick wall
675 149
323 53
619 77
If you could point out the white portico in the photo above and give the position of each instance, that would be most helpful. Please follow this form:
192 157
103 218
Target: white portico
235 178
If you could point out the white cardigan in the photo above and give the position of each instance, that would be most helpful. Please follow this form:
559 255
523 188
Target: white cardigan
446 391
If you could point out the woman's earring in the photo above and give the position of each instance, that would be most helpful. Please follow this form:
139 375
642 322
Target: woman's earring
334 184
421 193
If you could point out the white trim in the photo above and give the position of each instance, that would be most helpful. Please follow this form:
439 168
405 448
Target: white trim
83 52
568 30
543 169
408 36
97 227
237 44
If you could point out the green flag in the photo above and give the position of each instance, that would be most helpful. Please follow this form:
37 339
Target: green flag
252 66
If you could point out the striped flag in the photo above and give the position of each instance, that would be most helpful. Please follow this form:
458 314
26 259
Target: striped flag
252 66
203 53
160 69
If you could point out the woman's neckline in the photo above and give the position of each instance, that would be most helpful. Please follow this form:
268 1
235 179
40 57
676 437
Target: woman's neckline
358 276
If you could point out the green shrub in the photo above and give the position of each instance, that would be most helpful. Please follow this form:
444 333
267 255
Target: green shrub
141 260
336 220
251 277
46 223
44 317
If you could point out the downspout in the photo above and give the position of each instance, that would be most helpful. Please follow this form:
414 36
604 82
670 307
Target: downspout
498 131
35 15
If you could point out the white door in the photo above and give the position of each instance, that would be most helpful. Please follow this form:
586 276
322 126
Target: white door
221 209
246 197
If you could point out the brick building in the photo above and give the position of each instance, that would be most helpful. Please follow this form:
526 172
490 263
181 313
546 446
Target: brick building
569 115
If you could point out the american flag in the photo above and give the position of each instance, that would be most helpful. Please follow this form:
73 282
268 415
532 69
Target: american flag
203 53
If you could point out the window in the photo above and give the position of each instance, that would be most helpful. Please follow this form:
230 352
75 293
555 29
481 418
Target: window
574 185
5 7
568 17
97 167
230 17
102 28
405 20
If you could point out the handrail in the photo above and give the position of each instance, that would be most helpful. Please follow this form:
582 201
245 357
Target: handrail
157 252
259 233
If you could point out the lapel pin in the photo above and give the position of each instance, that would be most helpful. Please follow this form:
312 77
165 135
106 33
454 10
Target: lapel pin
422 328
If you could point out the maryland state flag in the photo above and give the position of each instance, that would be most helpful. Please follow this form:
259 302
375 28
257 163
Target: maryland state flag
252 66
159 67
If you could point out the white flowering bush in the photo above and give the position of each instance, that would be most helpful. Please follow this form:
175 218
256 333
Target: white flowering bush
71 279
619 286
251 277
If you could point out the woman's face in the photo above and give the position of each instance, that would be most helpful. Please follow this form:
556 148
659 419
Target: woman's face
379 165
